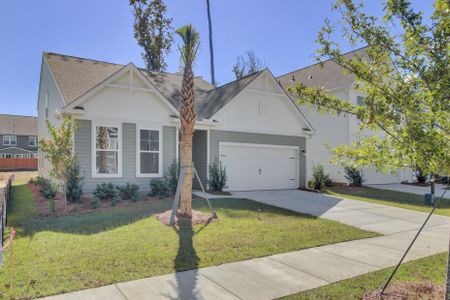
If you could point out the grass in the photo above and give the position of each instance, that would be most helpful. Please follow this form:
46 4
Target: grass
61 254
431 269
392 198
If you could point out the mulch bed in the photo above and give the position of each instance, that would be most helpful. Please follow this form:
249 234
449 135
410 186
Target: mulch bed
198 217
81 207
408 291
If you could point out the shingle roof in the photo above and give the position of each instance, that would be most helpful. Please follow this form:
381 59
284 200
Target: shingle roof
18 125
75 76
328 75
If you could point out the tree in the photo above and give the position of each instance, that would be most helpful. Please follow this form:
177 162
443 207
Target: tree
405 78
247 65
58 150
153 32
188 51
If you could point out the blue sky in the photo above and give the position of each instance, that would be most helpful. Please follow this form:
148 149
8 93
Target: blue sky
281 33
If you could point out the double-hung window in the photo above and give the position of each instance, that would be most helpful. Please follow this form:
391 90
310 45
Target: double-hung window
9 140
149 152
107 148
32 141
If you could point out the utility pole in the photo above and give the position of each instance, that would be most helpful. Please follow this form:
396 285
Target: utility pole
211 51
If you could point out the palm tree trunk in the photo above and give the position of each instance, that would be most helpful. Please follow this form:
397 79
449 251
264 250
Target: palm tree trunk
186 186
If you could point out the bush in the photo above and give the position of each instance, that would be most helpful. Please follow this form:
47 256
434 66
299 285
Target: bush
171 177
320 178
218 176
74 187
159 187
354 176
43 182
94 203
51 204
105 191
420 175
129 192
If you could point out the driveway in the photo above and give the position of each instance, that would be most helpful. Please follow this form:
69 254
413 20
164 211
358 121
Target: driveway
412 189
368 216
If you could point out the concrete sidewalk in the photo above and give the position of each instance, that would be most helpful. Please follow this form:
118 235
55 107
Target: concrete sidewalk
283 274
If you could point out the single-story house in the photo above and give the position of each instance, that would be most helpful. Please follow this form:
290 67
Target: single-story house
333 130
128 124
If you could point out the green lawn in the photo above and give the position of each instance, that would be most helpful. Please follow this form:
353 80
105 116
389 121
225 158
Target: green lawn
392 198
61 254
431 269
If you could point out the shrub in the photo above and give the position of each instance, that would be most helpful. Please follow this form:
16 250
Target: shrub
74 188
354 176
320 178
105 191
51 204
159 187
42 182
171 177
420 175
129 192
218 176
94 203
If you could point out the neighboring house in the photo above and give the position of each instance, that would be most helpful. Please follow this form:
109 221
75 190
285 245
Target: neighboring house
332 130
18 136
128 124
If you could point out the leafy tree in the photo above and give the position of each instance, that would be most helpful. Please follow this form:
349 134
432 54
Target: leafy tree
191 41
58 150
153 32
248 64
74 188
405 77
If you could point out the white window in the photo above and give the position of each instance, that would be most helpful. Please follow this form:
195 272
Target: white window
107 151
9 140
32 141
149 161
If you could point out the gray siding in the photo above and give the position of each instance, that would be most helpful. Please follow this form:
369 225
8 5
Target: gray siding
22 142
199 156
83 151
257 138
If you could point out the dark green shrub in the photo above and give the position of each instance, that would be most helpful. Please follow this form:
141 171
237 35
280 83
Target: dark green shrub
74 188
129 192
42 182
218 176
319 178
159 187
94 203
171 177
420 175
105 191
354 176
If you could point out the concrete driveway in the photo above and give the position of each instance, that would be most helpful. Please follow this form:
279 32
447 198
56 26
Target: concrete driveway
412 189
365 215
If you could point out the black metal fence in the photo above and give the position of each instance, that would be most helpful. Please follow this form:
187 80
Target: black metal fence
5 196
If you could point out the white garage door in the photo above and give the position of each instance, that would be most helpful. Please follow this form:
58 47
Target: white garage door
259 167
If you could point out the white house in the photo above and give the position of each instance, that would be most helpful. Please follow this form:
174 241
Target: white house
128 122
332 130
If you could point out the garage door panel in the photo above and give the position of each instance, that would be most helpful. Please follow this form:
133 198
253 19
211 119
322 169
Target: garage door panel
251 167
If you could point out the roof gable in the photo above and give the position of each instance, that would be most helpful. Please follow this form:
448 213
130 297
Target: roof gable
18 125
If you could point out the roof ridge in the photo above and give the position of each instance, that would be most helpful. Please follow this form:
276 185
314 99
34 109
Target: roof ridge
13 115
111 63
320 62
238 79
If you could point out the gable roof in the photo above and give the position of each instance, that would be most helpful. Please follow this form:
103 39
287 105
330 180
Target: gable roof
328 75
18 125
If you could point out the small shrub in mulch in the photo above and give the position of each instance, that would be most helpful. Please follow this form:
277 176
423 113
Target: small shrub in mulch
408 291
198 217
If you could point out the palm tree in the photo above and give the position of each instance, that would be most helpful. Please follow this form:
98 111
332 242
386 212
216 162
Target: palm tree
191 41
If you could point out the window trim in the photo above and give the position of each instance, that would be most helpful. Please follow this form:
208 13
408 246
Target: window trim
138 152
35 141
10 140
94 173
